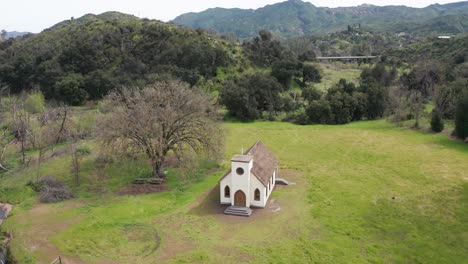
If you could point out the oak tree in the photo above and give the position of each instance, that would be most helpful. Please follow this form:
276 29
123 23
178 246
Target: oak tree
163 118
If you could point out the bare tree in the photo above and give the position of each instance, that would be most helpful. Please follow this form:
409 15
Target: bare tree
5 141
416 100
42 136
161 118
76 158
76 155
21 126
62 130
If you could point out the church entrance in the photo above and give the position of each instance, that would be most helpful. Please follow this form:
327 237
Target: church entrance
239 199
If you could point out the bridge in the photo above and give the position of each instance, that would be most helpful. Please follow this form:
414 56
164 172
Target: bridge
348 58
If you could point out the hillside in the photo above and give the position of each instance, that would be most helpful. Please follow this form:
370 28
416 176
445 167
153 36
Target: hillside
295 18
84 58
452 51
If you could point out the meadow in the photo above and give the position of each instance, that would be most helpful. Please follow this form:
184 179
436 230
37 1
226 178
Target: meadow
366 192
332 72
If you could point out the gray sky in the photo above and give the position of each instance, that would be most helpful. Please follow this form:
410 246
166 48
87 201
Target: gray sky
36 15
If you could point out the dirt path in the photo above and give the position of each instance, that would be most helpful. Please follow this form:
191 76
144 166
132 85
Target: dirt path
36 237
5 210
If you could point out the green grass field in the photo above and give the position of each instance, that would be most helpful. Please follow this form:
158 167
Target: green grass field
366 192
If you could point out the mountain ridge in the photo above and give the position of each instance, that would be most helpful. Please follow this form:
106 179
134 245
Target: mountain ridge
296 18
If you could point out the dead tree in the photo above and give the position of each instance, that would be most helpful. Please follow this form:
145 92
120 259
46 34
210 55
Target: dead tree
42 138
21 126
4 143
76 155
62 129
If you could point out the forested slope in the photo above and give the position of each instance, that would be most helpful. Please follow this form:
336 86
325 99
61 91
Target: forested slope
86 57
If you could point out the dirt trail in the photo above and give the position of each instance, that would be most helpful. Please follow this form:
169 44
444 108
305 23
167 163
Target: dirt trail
5 210
37 237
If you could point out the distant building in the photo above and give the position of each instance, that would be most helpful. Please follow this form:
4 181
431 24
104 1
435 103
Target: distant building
251 179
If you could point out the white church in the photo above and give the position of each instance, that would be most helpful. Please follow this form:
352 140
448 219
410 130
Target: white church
250 181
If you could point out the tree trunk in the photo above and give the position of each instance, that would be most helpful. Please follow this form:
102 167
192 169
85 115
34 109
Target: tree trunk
158 168
39 160
23 153
75 164
416 124
62 126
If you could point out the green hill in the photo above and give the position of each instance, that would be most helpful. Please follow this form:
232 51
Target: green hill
452 51
86 57
295 18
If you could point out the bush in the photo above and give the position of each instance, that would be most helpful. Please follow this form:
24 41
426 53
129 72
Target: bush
51 190
298 116
311 73
311 93
320 112
437 123
35 103
284 71
461 117
70 89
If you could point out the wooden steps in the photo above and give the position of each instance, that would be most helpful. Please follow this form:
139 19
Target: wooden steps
239 211
281 181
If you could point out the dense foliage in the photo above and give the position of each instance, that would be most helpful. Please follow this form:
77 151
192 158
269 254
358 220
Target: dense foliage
461 117
450 53
87 57
447 94
345 102
437 123
342 104
249 96
354 41
264 50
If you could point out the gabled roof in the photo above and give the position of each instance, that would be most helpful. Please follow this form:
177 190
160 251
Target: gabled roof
264 162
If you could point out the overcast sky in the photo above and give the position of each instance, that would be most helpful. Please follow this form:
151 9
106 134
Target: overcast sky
36 15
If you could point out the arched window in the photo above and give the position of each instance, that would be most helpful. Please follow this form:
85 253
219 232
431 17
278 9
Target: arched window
227 192
257 195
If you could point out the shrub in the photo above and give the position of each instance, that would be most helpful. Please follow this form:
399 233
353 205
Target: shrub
35 103
284 71
298 116
437 123
51 190
311 73
320 112
461 117
311 93
70 89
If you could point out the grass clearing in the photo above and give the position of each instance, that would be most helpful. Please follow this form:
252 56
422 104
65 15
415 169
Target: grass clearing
366 192
333 72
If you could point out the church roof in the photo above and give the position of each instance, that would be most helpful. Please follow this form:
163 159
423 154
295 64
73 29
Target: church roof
264 162
242 158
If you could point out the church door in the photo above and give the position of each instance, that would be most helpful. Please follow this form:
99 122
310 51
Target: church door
239 199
